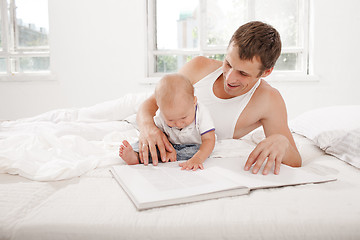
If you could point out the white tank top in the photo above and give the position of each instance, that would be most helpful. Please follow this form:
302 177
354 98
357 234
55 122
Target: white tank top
225 112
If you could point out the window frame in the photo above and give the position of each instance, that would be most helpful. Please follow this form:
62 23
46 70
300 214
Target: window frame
304 74
11 50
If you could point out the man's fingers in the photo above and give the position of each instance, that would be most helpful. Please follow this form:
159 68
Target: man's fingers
269 150
145 154
277 166
153 153
148 140
251 159
269 164
140 153
162 151
259 161
167 144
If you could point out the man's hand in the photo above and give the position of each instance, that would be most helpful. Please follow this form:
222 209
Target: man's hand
274 148
171 156
148 140
193 163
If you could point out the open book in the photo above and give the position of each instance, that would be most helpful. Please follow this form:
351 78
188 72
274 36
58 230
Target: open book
166 184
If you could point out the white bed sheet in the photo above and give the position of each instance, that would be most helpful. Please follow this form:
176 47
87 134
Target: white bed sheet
93 206
87 203
66 143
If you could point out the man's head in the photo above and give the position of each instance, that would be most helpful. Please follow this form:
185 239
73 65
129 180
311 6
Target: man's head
251 54
175 98
259 40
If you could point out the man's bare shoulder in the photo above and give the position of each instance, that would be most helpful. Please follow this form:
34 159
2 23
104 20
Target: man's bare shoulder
269 98
265 90
199 67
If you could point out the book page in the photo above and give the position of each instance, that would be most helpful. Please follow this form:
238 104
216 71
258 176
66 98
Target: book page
168 181
288 176
175 179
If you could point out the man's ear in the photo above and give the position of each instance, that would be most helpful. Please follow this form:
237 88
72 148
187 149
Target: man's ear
267 72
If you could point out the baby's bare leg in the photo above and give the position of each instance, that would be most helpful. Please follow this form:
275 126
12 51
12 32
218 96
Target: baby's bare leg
127 153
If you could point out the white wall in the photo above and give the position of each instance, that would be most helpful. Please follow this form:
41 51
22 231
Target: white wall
336 29
98 53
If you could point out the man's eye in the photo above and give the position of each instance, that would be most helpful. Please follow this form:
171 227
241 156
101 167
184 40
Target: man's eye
243 74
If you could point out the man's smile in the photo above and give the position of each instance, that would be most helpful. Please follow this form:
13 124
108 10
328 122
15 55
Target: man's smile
233 85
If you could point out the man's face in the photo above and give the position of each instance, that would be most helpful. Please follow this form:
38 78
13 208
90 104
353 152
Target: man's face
239 75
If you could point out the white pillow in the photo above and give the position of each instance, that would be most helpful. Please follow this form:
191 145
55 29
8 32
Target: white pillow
336 130
344 145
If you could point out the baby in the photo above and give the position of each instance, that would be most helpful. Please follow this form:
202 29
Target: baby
186 122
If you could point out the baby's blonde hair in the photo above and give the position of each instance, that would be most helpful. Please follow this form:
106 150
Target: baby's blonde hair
174 89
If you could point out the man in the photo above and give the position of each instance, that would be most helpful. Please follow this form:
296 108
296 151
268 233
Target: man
237 98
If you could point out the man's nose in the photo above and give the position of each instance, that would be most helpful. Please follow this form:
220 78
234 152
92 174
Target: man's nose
230 74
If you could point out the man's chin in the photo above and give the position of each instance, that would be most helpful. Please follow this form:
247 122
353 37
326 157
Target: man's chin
232 91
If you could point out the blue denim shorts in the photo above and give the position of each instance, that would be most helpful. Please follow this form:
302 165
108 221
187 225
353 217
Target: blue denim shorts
183 151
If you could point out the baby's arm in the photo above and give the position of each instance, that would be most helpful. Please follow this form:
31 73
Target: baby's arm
206 147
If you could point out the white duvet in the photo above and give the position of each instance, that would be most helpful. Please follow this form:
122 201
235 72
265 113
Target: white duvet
66 143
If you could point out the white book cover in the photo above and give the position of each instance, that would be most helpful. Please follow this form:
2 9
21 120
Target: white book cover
166 184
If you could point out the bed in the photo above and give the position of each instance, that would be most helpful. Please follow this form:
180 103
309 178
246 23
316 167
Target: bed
55 181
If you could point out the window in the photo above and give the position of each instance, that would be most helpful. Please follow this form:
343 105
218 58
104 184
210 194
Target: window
24 46
178 30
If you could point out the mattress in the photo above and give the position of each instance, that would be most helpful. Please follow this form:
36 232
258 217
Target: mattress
55 183
93 206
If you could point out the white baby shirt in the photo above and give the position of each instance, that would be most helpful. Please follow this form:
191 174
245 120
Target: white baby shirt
190 134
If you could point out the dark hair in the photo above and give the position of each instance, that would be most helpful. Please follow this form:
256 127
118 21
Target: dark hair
258 39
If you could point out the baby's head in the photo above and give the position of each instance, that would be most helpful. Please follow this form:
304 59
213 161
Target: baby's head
175 98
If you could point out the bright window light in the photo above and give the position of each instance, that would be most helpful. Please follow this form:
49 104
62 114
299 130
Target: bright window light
179 30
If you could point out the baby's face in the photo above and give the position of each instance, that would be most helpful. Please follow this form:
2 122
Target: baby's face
178 116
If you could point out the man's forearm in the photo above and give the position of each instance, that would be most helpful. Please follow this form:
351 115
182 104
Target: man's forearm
146 113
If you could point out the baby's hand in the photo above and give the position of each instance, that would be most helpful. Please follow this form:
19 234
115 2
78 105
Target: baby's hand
192 163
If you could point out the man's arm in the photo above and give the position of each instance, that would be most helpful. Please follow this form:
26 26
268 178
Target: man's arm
278 146
198 68
150 135
206 148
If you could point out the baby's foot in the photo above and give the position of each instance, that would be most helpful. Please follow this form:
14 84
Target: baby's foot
127 153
